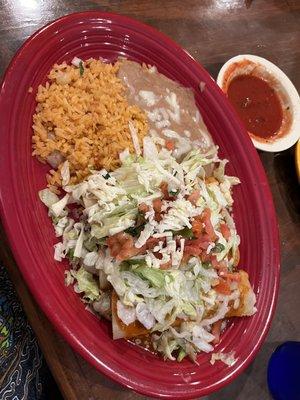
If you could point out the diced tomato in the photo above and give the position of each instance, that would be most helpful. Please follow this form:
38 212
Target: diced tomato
157 204
214 261
223 287
220 266
170 145
164 188
112 240
165 191
158 255
152 242
204 256
233 276
127 253
197 247
189 242
166 265
194 197
216 331
192 250
143 208
222 271
203 223
208 225
121 246
201 243
158 217
204 245
225 231
197 227
185 258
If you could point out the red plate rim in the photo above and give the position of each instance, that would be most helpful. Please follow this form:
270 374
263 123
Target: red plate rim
264 190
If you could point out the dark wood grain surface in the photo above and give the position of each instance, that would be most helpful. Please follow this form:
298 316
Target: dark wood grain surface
212 31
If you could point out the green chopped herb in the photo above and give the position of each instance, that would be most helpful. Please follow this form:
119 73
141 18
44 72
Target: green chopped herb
70 254
140 218
81 68
107 176
206 265
135 230
174 192
219 247
91 244
136 262
101 241
139 226
128 264
186 233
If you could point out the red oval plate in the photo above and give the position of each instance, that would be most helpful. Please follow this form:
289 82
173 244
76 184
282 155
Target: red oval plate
94 34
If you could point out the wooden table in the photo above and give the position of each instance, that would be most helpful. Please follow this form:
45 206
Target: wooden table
212 31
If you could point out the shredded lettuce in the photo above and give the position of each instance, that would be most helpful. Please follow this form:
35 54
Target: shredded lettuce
158 286
155 276
57 208
79 242
86 284
48 198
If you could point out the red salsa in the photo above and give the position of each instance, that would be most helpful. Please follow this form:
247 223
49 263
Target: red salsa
258 105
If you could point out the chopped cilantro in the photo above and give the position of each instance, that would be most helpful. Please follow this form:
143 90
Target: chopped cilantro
139 226
101 241
81 68
134 263
70 254
135 230
91 244
219 247
186 233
